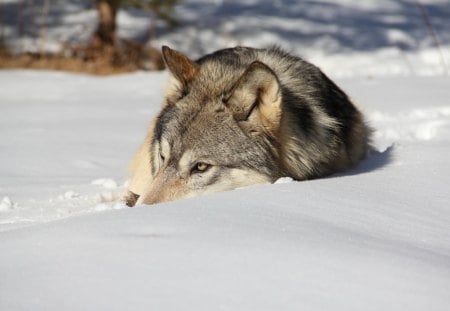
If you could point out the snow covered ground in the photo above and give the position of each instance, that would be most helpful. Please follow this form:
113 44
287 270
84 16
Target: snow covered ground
374 238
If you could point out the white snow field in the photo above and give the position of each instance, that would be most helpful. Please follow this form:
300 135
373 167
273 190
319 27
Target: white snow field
373 238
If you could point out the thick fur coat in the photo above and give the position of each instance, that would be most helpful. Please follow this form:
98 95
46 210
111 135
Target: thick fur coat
243 116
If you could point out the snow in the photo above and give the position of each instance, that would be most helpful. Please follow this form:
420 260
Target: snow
107 183
374 238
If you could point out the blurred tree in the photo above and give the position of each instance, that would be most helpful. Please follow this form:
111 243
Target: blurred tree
162 9
105 33
106 28
121 52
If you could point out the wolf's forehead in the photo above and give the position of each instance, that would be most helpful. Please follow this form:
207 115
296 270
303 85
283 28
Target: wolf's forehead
173 121
178 122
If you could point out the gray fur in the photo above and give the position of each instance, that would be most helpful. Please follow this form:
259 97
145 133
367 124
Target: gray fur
260 113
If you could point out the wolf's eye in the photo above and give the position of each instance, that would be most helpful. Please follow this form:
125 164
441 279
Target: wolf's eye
200 167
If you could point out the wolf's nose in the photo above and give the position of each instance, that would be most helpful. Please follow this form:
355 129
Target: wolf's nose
131 199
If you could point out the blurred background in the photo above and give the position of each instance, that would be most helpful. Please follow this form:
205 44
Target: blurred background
343 37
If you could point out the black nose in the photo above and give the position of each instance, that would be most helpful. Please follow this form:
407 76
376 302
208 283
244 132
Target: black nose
131 198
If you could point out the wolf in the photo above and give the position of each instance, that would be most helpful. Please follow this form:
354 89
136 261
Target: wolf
242 116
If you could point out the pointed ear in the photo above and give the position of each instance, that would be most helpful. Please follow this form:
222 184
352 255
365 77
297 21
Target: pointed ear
256 97
183 69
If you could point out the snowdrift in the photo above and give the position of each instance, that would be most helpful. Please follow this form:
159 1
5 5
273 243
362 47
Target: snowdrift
374 238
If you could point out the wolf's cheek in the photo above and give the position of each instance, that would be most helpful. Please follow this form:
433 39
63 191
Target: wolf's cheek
201 180
223 178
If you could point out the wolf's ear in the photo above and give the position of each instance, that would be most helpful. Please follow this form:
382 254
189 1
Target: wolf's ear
183 69
256 97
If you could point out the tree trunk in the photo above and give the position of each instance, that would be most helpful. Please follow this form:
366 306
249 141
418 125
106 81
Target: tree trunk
106 29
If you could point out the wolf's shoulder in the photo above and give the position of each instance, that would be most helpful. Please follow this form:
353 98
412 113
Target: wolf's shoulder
276 58
243 52
230 56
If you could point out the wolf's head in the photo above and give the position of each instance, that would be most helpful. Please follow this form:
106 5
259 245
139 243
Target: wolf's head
217 129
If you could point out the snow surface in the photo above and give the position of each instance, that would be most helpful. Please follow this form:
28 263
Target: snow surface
374 238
